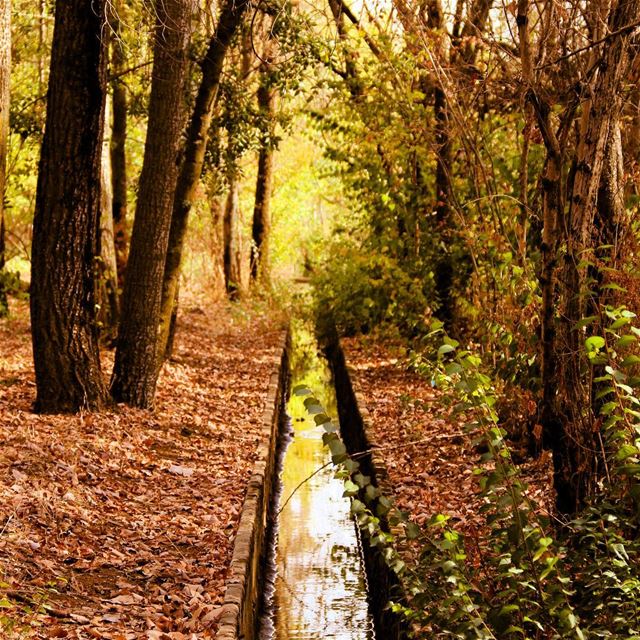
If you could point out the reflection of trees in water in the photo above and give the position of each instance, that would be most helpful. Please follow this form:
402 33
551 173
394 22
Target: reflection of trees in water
320 591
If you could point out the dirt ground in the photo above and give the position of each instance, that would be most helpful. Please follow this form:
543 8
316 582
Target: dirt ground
429 456
119 525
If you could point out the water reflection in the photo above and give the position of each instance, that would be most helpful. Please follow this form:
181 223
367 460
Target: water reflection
320 590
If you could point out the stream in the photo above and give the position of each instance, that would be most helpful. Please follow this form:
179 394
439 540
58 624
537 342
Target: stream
315 585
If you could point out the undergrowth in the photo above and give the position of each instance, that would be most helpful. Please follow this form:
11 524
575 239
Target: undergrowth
532 576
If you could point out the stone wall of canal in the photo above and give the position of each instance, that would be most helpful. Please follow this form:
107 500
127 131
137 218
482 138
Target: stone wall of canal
243 595
354 416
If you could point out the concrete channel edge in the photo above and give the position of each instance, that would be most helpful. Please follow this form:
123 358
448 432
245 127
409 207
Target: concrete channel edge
243 594
358 436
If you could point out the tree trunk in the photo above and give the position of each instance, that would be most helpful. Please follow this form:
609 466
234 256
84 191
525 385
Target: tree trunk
107 274
444 268
42 41
5 73
232 273
66 220
135 370
577 453
261 226
195 147
118 144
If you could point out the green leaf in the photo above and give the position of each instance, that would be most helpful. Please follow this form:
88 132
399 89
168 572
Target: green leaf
586 321
453 368
321 418
620 322
626 340
594 343
350 489
301 390
445 348
626 451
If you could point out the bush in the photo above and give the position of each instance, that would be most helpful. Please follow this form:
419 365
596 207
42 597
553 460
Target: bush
364 291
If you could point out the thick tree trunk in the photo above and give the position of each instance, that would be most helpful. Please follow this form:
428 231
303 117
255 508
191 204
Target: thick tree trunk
231 252
5 73
195 147
576 451
261 225
135 371
66 221
118 144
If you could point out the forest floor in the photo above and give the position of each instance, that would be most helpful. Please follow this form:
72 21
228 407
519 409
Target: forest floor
430 458
119 525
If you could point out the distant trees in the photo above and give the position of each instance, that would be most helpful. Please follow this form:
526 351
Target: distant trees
5 76
66 221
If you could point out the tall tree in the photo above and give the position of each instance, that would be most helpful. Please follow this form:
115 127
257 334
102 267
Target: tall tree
66 220
231 239
108 304
261 225
230 19
579 209
135 370
119 139
5 73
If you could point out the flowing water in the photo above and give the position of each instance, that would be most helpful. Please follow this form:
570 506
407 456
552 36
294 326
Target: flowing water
316 582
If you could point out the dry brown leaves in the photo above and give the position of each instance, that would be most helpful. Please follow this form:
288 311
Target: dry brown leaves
435 473
119 525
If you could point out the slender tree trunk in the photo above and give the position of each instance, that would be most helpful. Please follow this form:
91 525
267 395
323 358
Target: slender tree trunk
118 143
173 324
107 274
66 221
42 40
135 371
261 226
444 267
231 259
196 144
5 73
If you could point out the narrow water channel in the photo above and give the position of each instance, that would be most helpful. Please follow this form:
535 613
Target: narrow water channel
316 578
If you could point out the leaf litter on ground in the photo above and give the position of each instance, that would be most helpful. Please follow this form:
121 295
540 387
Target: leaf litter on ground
120 524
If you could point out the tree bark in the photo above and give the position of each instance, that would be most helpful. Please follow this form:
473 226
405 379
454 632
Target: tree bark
66 221
107 274
567 414
580 453
118 143
135 371
261 225
444 268
195 147
5 73
231 256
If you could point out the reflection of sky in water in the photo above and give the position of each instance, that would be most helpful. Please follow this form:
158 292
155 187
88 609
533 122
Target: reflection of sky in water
320 590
